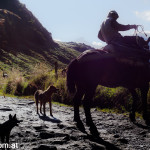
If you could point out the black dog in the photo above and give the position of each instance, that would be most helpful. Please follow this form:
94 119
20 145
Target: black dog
6 128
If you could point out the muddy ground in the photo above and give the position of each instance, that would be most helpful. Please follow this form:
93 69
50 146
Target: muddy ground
37 132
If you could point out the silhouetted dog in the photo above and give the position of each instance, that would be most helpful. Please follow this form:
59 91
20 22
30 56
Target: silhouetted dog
6 128
43 97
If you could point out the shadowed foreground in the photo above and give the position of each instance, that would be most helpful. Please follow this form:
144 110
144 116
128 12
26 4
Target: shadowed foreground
60 132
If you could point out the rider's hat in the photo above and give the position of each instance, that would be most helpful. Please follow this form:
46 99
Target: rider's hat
113 14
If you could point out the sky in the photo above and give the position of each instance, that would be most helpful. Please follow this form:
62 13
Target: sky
80 20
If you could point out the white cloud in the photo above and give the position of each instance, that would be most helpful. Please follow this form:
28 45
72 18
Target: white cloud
97 44
144 15
57 40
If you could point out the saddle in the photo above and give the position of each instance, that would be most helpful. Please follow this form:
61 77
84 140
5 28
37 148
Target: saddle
120 53
128 55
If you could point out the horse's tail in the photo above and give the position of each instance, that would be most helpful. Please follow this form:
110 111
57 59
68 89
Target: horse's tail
71 74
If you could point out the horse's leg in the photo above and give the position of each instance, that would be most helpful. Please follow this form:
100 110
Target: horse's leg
133 109
87 105
77 102
144 92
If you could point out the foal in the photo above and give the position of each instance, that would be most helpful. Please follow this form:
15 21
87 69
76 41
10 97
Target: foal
43 97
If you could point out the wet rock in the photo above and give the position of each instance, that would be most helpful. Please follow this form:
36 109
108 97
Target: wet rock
61 126
30 103
20 134
142 133
45 147
39 127
148 135
116 136
124 141
58 142
5 109
44 135
95 146
28 132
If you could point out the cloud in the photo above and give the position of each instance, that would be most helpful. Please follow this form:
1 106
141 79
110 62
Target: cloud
144 15
57 40
97 44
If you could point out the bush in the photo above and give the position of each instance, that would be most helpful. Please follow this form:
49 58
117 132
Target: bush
8 88
41 77
14 82
112 98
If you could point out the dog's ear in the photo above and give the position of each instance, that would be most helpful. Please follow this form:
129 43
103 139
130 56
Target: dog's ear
14 117
51 85
10 117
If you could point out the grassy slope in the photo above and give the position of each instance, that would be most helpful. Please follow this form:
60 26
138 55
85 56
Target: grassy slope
24 42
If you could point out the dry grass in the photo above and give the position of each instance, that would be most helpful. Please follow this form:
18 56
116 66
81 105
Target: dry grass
42 76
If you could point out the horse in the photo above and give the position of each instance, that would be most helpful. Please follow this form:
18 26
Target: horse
98 67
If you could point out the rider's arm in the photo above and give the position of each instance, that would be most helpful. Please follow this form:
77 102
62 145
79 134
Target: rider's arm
121 27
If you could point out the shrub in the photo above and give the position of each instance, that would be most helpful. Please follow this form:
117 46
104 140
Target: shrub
14 82
41 77
8 88
118 98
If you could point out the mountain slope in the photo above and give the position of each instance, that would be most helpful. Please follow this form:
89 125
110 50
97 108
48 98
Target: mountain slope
25 42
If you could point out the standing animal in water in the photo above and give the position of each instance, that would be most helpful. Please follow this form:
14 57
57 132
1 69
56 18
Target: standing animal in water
6 128
43 97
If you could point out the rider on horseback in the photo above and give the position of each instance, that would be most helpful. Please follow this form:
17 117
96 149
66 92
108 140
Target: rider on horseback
109 32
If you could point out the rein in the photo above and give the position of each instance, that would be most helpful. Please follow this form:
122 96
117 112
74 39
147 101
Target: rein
137 30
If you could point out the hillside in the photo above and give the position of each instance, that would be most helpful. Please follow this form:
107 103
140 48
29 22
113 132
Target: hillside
24 42
80 47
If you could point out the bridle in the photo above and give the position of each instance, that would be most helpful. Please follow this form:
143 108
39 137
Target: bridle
138 31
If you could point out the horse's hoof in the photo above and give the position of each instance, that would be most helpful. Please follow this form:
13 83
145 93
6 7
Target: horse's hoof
147 122
80 126
132 117
145 116
88 123
76 119
94 131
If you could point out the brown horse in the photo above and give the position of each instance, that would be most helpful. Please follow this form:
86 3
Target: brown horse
97 67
